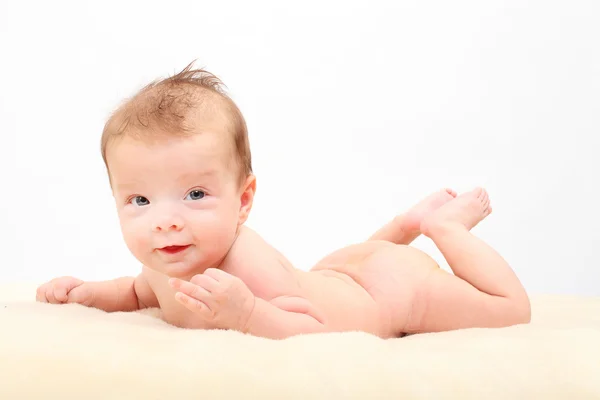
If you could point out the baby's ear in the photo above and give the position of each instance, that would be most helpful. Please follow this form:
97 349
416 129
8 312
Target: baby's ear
247 197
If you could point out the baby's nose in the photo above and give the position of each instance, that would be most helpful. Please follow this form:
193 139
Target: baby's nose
172 227
168 223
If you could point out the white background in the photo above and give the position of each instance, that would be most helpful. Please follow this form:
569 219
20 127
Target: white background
355 109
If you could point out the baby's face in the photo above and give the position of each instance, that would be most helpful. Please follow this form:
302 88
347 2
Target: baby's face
178 200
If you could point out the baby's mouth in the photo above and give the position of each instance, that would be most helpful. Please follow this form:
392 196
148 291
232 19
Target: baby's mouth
174 249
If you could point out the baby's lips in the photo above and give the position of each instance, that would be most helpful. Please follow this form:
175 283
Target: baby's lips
174 248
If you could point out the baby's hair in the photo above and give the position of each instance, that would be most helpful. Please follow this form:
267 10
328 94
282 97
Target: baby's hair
170 106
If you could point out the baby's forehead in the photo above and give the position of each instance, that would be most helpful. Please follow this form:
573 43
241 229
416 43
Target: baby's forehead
203 144
170 161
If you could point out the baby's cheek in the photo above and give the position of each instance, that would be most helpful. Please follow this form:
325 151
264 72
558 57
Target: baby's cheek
135 238
216 232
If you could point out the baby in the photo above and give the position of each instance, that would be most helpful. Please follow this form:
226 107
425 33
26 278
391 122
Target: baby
179 164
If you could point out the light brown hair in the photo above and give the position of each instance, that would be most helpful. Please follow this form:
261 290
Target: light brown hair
167 106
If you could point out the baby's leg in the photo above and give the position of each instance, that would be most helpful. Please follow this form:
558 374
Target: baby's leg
484 291
405 228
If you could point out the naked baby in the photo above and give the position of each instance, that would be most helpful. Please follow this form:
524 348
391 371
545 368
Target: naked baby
179 164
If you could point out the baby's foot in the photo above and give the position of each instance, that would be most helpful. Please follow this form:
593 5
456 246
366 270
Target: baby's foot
411 221
465 211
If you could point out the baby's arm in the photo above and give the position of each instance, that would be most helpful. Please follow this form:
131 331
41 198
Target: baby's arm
224 301
284 317
121 294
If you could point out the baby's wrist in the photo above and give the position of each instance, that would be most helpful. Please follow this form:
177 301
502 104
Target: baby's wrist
250 314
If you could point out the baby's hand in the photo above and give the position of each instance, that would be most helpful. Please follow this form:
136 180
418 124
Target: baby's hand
221 299
65 290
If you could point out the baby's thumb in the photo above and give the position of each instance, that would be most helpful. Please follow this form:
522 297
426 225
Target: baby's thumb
60 293
80 294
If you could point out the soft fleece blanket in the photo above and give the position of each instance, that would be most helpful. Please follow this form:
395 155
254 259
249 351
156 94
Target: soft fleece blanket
71 352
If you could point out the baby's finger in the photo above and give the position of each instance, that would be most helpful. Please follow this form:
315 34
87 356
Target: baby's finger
192 304
204 281
60 293
40 295
194 291
217 274
50 296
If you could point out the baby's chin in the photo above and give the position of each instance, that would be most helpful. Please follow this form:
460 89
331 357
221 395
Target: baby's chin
180 269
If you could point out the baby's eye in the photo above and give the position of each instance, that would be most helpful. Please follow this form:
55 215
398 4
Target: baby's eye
195 195
139 201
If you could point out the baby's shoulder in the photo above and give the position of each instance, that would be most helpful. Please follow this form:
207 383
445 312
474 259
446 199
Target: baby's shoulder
252 250
266 271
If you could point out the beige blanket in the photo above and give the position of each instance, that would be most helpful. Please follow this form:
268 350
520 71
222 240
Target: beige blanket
72 352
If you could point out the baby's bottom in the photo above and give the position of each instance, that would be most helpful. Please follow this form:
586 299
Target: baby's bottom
413 295
390 273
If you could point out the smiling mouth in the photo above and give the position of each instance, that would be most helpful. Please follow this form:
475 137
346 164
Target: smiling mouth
174 249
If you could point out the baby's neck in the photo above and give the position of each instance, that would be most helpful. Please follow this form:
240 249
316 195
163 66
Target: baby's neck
225 263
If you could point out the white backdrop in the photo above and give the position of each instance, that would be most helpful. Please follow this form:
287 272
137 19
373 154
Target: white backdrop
355 109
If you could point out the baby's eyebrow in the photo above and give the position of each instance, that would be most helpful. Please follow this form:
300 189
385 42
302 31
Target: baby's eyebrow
124 186
209 173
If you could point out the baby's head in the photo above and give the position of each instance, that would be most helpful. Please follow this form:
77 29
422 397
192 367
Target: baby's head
179 164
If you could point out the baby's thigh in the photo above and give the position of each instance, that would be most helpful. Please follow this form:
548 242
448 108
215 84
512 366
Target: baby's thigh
392 276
